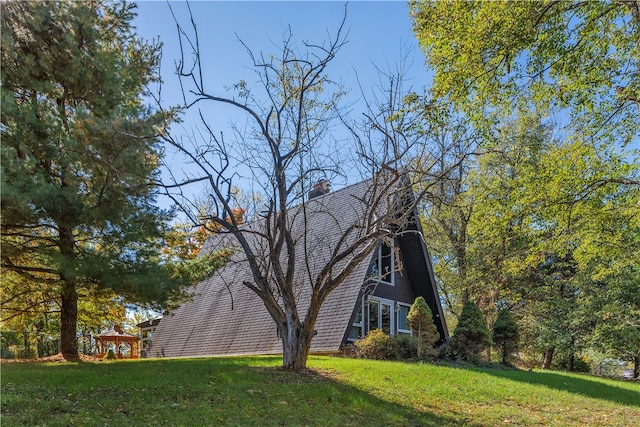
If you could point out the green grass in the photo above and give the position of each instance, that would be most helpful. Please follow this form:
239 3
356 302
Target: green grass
253 391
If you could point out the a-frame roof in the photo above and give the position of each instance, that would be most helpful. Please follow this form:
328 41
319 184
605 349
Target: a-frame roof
226 318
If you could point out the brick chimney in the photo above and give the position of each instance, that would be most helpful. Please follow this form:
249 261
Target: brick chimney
320 188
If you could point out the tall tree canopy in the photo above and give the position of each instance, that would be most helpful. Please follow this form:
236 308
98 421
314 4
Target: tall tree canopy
542 222
79 154
500 56
545 226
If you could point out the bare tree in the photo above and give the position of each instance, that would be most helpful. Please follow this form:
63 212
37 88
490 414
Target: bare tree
284 148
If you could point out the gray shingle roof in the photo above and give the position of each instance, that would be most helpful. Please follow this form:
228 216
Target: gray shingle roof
225 317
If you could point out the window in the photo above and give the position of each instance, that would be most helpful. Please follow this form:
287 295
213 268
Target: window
386 320
379 313
374 315
357 328
384 265
403 324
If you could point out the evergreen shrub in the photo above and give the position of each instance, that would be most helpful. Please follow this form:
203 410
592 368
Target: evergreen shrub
471 335
505 334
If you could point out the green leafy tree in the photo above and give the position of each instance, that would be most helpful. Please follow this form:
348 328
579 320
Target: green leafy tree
449 207
551 219
420 320
616 303
498 57
80 154
609 260
471 335
505 334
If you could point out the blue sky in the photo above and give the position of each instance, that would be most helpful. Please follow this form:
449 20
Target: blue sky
379 34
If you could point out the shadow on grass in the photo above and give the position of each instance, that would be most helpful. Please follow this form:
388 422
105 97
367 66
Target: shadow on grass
321 400
225 391
583 386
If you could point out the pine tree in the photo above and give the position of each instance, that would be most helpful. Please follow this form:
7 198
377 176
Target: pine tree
420 320
471 335
505 333
80 154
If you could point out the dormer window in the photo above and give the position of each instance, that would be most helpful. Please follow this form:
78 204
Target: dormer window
384 265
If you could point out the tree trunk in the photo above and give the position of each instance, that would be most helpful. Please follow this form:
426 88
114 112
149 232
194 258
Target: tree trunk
572 356
570 365
548 356
25 336
636 366
69 299
68 321
296 344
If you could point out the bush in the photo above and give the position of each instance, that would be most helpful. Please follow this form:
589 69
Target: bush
376 345
581 365
471 335
445 351
561 363
379 346
6 353
110 355
505 334
420 320
406 346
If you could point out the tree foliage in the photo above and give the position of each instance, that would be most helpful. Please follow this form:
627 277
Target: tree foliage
471 335
494 58
543 220
505 334
79 154
551 230
420 320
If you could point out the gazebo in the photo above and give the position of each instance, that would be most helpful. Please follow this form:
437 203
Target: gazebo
118 337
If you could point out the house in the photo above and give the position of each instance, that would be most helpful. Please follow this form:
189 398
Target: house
147 328
225 317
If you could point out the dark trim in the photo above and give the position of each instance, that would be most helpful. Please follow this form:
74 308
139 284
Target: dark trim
149 323
420 271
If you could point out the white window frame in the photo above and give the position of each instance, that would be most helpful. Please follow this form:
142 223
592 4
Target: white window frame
392 316
392 266
408 306
358 324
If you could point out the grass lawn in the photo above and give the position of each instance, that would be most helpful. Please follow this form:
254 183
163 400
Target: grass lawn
253 391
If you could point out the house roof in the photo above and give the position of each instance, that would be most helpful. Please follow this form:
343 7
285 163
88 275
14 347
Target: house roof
116 333
226 317
149 323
